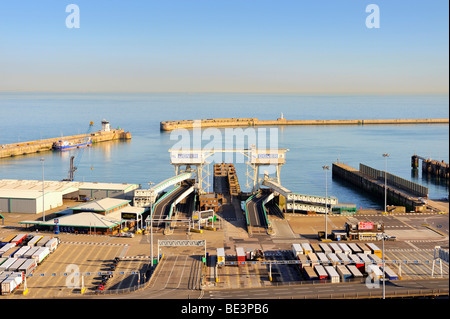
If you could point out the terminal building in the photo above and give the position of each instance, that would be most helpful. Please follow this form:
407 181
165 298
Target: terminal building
26 196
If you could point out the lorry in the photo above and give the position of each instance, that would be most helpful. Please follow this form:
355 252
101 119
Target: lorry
220 256
343 272
43 241
325 248
19 239
389 273
365 250
374 249
332 274
21 251
321 272
335 247
15 265
6 247
366 260
322 258
345 249
30 252
240 255
7 263
357 262
297 250
40 254
313 259
9 284
28 267
333 258
52 244
355 249
10 252
344 258
316 248
34 240
8 238
374 272
310 274
304 261
306 248
355 271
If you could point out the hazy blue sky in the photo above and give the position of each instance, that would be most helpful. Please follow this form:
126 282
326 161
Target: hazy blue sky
320 46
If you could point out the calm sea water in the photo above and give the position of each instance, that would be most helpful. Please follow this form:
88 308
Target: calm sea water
145 158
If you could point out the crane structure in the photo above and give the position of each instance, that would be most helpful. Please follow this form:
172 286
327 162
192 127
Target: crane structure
74 164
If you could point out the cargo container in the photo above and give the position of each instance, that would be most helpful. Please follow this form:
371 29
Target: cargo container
332 274
306 248
345 259
19 239
220 256
6 247
323 258
52 244
314 260
8 238
296 250
374 249
34 240
310 274
15 266
43 241
355 249
357 262
321 272
9 284
365 259
389 273
325 248
345 249
335 247
374 272
10 252
7 263
333 259
376 260
355 271
28 267
343 272
316 248
240 254
21 251
43 252
304 261
30 252
365 250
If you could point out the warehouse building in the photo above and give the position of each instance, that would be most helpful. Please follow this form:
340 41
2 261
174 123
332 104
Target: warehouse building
25 196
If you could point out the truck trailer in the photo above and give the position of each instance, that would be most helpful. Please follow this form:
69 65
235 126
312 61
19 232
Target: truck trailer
332 274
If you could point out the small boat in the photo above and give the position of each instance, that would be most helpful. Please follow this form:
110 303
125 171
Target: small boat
67 145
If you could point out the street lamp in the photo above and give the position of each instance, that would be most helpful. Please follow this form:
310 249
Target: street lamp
326 168
43 189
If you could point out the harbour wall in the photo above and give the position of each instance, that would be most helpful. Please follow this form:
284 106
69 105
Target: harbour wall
375 187
248 122
23 148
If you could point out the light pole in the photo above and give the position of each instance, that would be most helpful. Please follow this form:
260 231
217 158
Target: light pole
43 189
326 168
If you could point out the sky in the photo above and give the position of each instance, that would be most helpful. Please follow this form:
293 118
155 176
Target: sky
256 46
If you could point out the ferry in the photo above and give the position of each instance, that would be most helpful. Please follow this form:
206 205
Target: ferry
66 145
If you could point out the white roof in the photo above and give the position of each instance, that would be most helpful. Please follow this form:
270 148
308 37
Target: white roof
101 204
85 220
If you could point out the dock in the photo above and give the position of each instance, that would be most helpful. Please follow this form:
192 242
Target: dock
250 122
399 191
431 167
44 145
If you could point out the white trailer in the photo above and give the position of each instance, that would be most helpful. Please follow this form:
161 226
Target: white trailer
355 249
374 272
376 260
7 247
323 258
313 259
321 272
297 250
41 254
355 272
30 252
11 283
307 249
345 249
52 244
304 261
345 259
15 265
365 250
336 248
332 274
21 251
333 258
34 240
220 256
391 275
2 260
325 248
43 241
366 260
28 266
7 263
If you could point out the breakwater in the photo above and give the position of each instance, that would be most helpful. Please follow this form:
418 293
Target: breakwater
399 191
23 148
248 122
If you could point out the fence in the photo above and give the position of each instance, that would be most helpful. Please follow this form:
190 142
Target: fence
396 181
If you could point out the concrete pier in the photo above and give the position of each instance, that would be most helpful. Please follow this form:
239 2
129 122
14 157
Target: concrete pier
431 167
396 194
23 148
249 122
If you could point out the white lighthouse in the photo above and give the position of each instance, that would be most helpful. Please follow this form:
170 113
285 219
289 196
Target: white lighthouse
106 127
